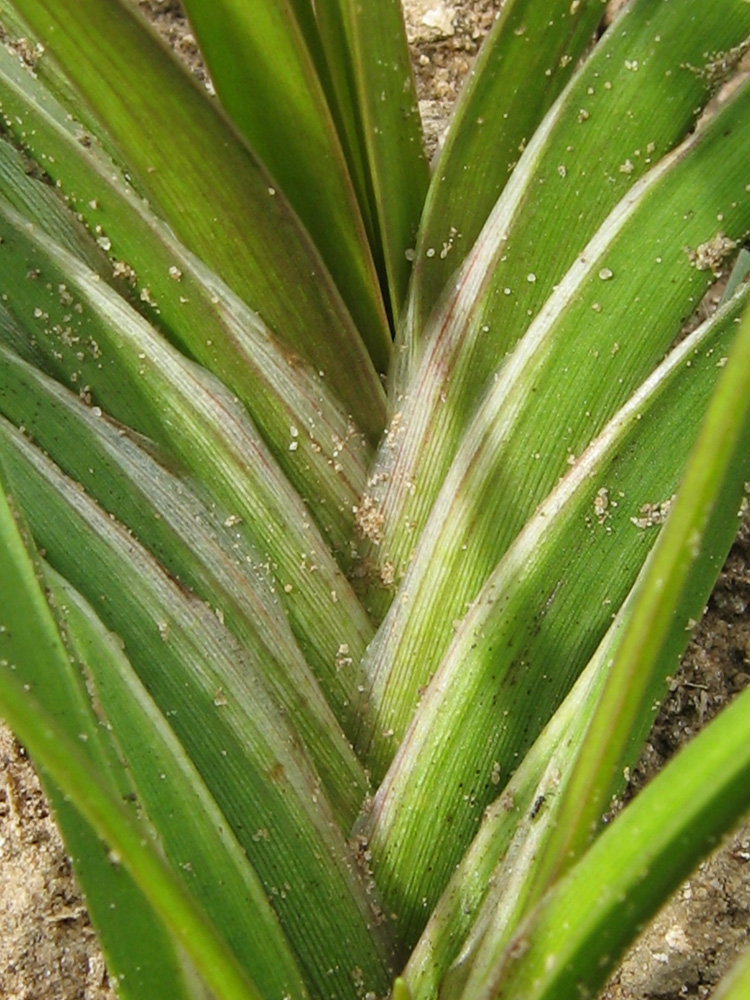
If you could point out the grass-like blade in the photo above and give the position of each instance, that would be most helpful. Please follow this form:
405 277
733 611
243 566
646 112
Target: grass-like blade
710 492
497 113
41 699
570 941
631 102
261 51
629 671
571 370
234 732
375 97
197 544
511 831
191 829
524 640
736 984
90 338
189 303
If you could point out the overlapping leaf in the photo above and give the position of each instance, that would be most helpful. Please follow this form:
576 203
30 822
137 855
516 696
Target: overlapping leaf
258 60
195 545
374 97
204 683
195 309
522 831
498 112
634 99
98 344
631 869
568 374
43 695
196 552
524 640
220 201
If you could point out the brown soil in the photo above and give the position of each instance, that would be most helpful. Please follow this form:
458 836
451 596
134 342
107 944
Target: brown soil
47 948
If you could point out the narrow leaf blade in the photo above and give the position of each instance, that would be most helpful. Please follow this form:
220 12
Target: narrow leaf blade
524 640
261 51
26 616
216 196
497 113
643 856
366 50
189 303
633 100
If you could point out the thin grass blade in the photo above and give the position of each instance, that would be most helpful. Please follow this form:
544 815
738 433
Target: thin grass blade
570 942
36 664
606 326
89 337
258 59
189 303
237 736
498 111
375 96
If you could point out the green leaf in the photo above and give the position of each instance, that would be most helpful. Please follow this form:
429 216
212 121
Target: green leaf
628 674
497 861
61 759
238 738
376 104
34 660
602 331
525 640
711 489
197 544
190 304
194 169
498 111
261 51
631 102
568 944
91 337
736 984
193 832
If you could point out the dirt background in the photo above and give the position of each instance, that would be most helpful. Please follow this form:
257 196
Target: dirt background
48 950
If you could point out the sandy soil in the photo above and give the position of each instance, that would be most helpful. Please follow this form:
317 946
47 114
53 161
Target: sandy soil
47 948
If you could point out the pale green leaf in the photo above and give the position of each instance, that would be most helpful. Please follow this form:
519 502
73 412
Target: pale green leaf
602 331
236 735
100 346
736 984
498 111
189 303
569 942
627 675
36 665
714 482
525 639
197 544
633 100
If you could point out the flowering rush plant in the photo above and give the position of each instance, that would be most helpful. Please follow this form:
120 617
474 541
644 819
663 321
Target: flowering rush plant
355 509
